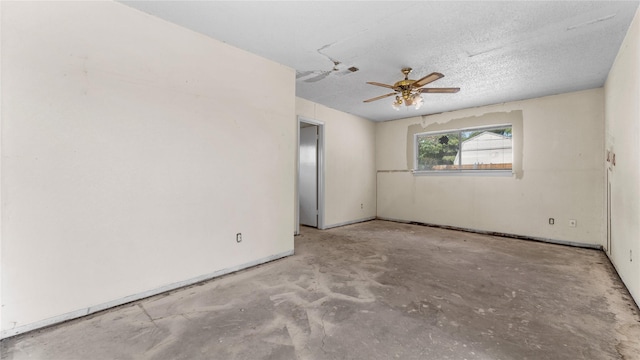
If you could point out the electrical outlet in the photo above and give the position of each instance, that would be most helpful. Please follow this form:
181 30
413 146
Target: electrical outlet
552 221
630 255
573 223
239 237
361 206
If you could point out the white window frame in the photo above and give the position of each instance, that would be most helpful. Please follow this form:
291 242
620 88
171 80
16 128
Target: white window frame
461 172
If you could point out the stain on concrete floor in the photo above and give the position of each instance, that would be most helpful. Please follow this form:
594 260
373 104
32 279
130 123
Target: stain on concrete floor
375 290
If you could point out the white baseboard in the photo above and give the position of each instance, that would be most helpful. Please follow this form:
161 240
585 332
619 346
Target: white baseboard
127 299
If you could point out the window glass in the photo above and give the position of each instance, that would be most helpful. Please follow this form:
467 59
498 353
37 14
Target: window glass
438 151
468 149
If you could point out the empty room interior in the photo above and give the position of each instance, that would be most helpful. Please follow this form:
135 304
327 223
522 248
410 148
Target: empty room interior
320 180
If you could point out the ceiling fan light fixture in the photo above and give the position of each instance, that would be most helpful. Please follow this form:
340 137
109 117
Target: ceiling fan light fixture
396 104
418 101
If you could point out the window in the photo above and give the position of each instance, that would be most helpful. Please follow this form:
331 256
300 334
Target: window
478 149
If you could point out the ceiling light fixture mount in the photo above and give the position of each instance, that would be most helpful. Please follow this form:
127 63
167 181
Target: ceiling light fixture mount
409 92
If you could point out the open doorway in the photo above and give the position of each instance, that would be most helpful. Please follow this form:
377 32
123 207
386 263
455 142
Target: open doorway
310 177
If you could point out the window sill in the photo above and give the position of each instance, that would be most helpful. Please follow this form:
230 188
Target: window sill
499 173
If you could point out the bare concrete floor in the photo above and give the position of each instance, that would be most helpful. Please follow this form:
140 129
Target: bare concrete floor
375 290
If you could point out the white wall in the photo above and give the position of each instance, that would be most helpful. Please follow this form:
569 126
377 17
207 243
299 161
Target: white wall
558 160
622 114
132 154
350 188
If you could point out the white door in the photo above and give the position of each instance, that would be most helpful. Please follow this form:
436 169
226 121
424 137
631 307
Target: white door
308 176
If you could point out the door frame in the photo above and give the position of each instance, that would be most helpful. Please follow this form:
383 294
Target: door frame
320 125
608 240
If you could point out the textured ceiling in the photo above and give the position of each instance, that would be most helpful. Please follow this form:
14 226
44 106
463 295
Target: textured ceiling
494 51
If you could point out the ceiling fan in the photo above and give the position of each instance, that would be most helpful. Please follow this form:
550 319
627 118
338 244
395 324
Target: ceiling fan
409 91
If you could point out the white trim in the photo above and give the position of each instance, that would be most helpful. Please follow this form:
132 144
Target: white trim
349 222
470 128
127 299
